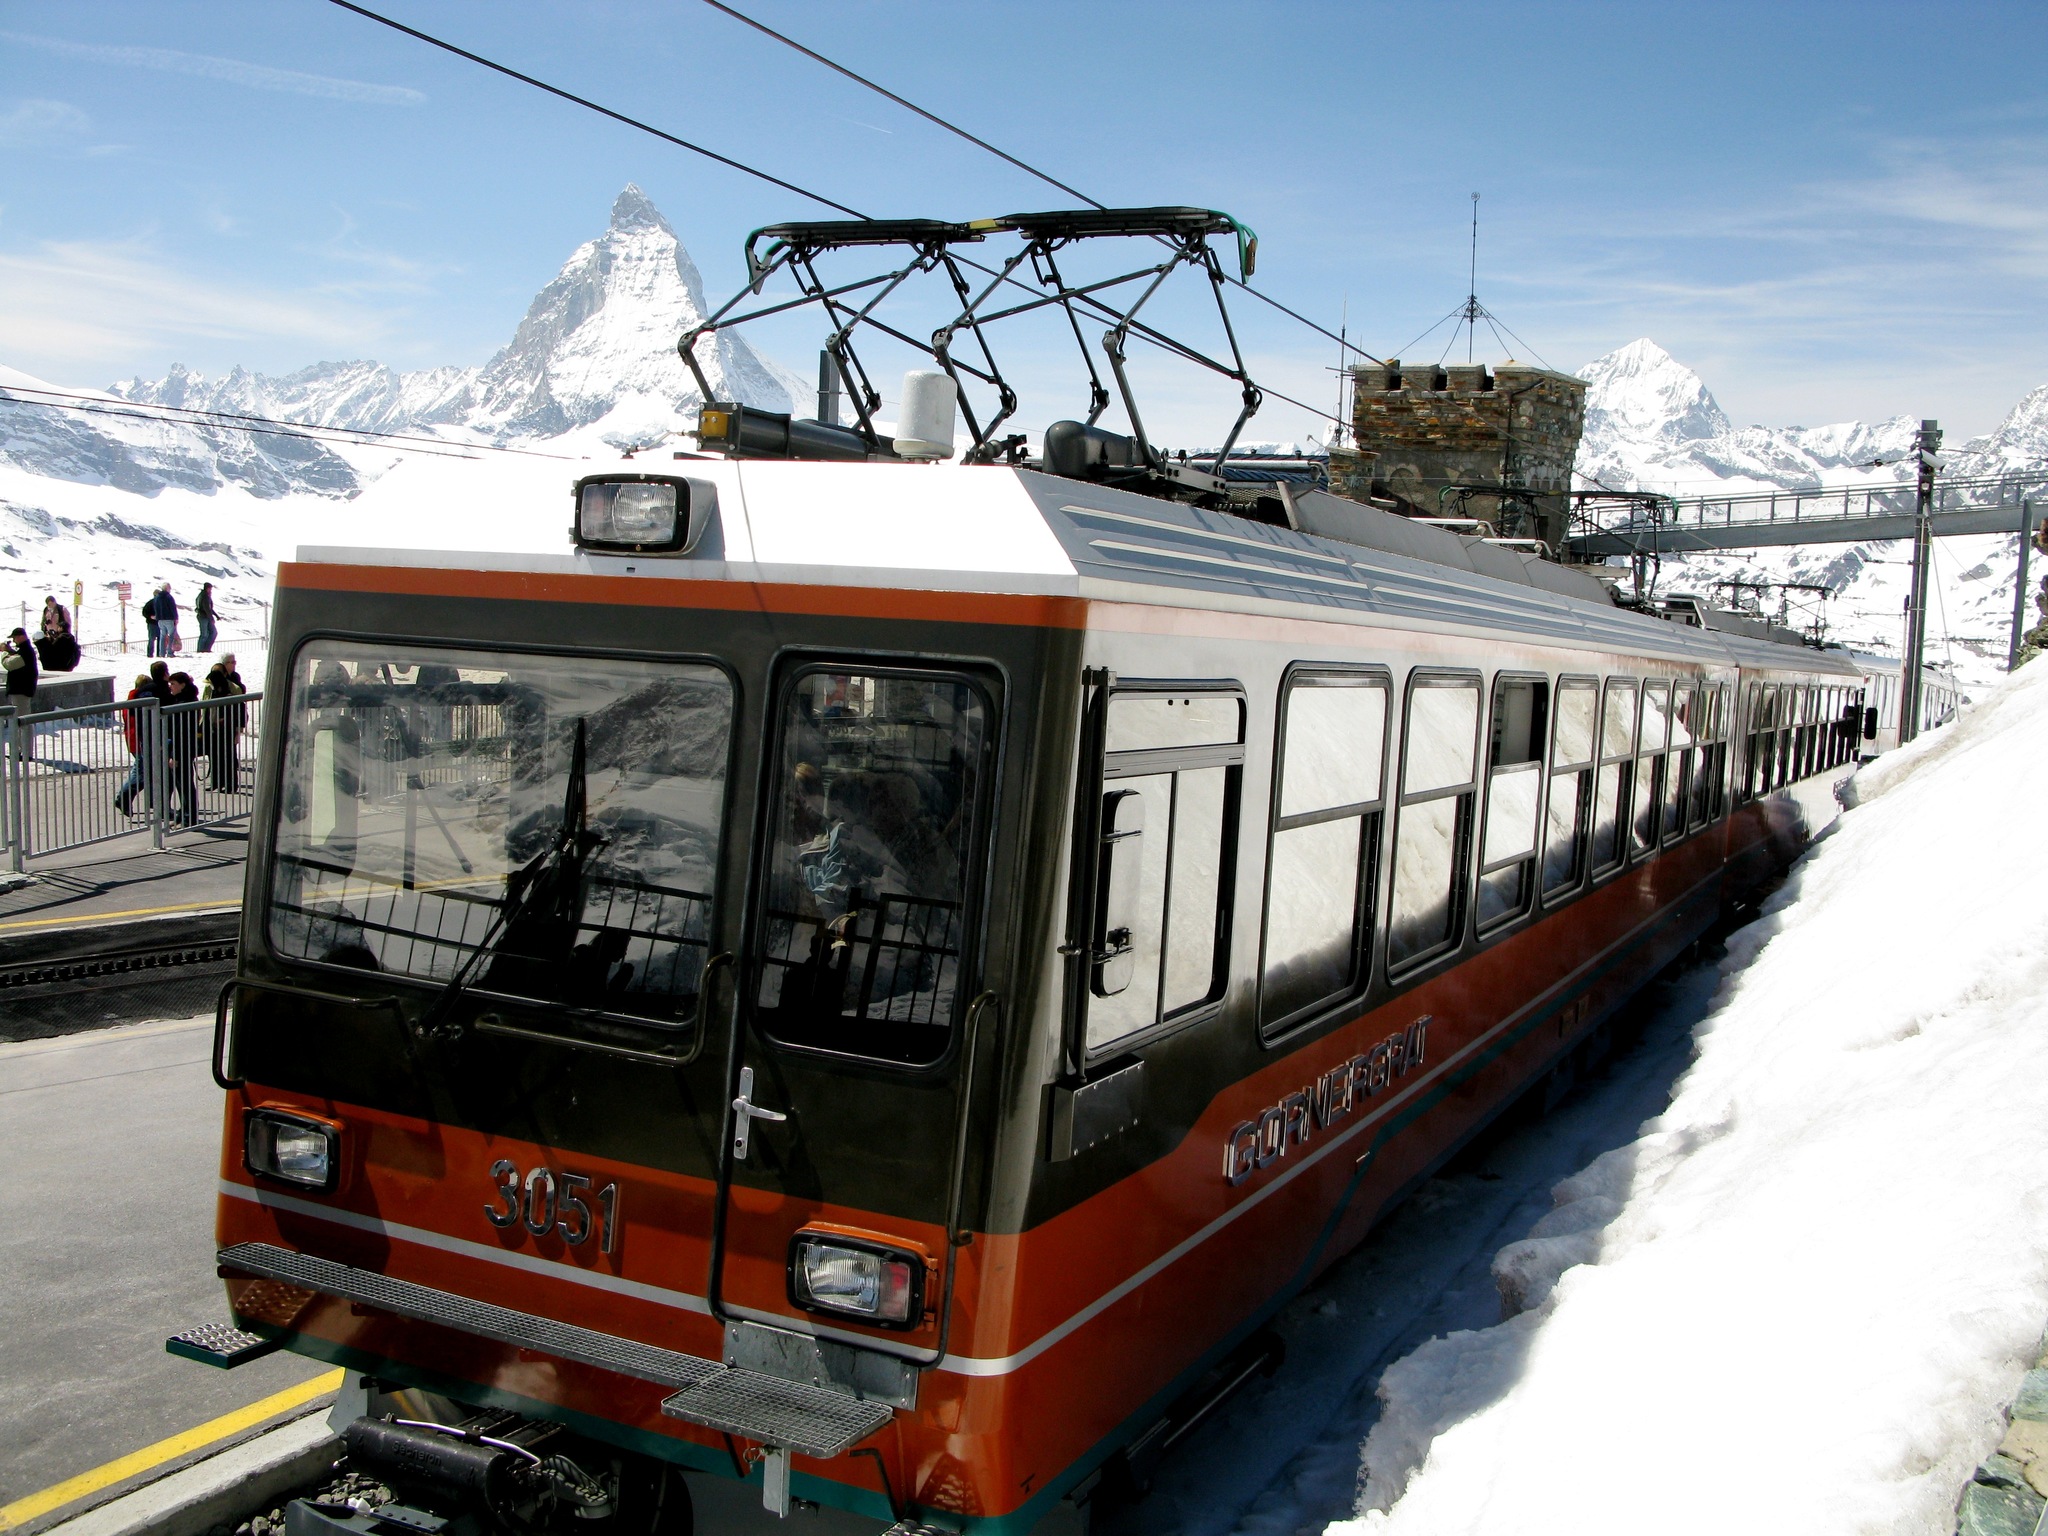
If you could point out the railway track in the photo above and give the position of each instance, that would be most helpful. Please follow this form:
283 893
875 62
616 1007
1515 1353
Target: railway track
54 983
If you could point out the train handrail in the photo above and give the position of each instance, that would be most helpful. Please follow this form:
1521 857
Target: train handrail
956 1239
223 1044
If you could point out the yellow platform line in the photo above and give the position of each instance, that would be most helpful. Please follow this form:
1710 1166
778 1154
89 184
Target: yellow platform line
216 905
57 1495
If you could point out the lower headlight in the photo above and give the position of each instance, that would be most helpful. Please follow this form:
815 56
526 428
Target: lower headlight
296 1151
851 1278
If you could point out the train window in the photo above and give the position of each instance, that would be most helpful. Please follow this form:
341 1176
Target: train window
1649 773
545 827
1514 795
1180 754
1326 834
1706 768
874 823
1610 781
1432 839
1570 807
1678 766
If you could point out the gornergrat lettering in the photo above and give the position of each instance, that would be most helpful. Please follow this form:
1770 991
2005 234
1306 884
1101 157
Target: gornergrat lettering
1259 1143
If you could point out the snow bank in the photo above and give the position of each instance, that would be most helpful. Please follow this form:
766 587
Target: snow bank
1800 1301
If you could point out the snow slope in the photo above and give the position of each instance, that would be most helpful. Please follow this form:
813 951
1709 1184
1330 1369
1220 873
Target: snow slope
1799 1301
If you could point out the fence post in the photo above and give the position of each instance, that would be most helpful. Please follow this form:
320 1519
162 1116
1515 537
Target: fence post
156 768
17 829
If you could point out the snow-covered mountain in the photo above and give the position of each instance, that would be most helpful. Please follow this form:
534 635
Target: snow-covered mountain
596 350
1652 424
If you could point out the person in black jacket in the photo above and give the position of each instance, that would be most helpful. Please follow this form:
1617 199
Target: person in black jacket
166 622
202 606
223 731
18 661
149 618
181 748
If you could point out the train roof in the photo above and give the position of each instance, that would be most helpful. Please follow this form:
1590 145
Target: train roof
999 529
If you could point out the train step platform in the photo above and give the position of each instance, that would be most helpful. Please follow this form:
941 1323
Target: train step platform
120 932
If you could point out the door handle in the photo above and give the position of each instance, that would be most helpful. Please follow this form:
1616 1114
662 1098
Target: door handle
745 1112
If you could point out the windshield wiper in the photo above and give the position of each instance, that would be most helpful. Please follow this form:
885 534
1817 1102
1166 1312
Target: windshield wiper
545 871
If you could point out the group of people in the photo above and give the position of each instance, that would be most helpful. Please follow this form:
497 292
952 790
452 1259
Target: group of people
188 736
160 614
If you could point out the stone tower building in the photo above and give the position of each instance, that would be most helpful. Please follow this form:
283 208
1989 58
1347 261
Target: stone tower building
1464 441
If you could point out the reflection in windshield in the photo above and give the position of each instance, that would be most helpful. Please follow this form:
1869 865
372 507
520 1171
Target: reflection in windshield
423 788
867 873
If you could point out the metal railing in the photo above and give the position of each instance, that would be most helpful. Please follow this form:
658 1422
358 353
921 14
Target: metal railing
70 778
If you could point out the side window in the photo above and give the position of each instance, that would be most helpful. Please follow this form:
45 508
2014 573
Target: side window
1755 779
1708 754
876 823
1433 835
1570 807
1656 731
1327 802
1170 773
1514 795
1610 782
1678 766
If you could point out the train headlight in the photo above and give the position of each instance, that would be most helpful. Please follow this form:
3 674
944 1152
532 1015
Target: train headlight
291 1149
849 1277
641 514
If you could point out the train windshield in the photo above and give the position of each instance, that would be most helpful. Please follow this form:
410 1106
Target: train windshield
546 827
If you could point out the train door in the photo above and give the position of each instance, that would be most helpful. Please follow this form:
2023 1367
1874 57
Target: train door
854 1032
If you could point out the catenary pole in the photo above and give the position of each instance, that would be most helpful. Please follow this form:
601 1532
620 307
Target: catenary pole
1928 444
2019 589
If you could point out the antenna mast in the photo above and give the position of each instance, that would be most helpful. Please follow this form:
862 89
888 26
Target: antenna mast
1472 309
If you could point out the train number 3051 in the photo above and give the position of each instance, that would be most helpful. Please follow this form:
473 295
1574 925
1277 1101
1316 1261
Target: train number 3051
546 1201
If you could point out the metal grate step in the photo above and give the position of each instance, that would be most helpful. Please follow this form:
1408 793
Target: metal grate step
606 1351
791 1414
219 1344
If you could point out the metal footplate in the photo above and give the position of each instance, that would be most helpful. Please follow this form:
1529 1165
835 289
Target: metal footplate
219 1344
789 1414
565 1341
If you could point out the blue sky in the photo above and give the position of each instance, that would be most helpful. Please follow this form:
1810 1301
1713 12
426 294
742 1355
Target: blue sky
1830 211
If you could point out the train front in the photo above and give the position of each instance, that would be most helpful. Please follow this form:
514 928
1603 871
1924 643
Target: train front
512 1131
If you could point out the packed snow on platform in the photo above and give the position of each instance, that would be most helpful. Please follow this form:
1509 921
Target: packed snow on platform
1799 1301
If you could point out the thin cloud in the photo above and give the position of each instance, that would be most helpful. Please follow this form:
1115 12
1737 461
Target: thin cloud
67 306
40 124
259 77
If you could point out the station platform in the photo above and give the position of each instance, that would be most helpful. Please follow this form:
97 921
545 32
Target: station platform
120 931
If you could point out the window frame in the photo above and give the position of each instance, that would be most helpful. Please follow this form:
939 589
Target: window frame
1625 762
1533 860
786 671
1147 762
1585 773
1402 972
1366 947
1681 764
1642 849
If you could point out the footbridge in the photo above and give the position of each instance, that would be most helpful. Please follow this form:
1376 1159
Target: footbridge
1606 524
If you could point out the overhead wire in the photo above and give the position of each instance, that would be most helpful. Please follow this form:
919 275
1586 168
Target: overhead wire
1023 165
270 426
816 197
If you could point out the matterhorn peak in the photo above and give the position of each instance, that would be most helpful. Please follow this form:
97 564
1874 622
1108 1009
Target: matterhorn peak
632 209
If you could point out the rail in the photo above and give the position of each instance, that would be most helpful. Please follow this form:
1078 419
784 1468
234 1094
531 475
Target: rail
70 778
